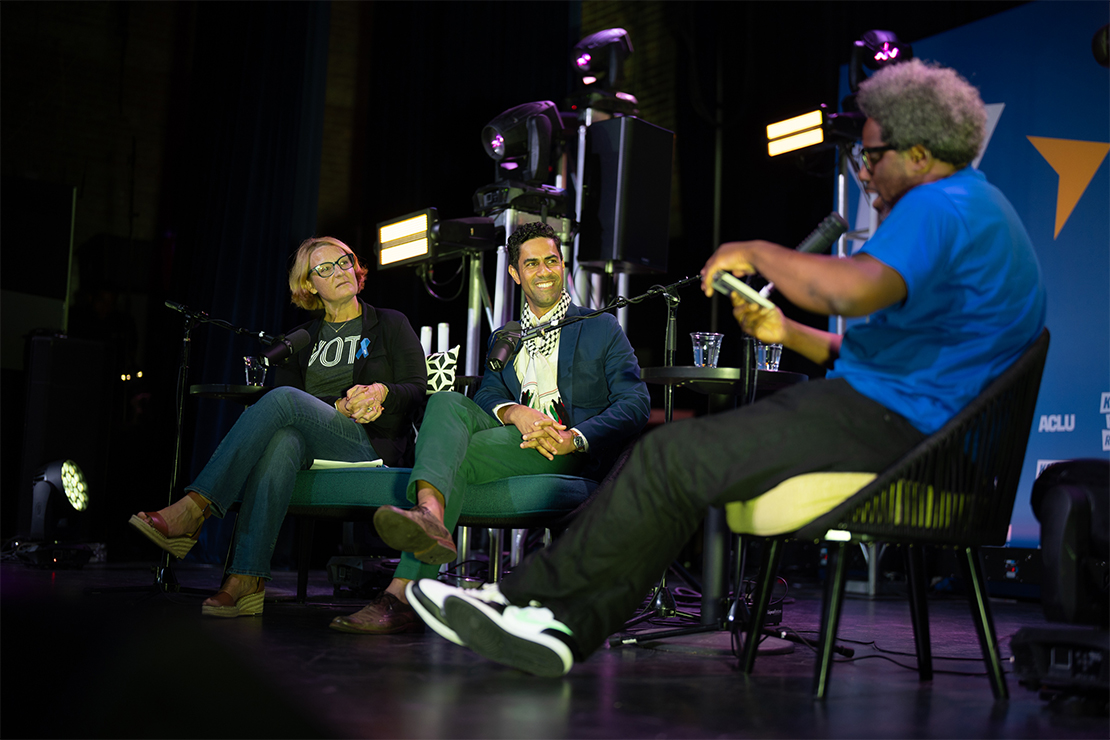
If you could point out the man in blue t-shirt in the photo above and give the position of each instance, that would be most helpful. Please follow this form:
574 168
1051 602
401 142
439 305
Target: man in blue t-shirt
954 295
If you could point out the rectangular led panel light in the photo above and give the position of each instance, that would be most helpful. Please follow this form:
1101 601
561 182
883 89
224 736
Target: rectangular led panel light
794 125
406 240
796 133
797 141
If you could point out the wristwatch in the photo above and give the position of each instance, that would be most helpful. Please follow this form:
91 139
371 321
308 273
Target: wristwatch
579 441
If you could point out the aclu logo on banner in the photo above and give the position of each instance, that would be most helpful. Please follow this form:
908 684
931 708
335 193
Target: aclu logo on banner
1057 423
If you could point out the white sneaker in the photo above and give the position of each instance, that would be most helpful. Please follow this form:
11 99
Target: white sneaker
520 637
427 595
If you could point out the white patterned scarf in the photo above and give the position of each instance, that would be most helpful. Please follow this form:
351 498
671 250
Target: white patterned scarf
539 385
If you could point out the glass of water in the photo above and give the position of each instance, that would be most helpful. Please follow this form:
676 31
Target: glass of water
255 370
767 356
707 347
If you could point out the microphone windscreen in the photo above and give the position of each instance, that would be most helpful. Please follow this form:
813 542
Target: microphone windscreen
506 340
825 235
285 346
298 340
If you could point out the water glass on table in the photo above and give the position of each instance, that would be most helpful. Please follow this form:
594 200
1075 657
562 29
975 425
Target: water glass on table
767 356
255 370
707 348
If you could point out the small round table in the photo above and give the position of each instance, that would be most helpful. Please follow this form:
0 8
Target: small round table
244 394
719 380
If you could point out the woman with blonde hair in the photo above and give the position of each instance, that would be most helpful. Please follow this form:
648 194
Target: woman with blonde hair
349 395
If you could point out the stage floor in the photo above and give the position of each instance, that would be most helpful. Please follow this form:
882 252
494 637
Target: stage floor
145 664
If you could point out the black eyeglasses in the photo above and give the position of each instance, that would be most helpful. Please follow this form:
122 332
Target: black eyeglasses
865 155
325 269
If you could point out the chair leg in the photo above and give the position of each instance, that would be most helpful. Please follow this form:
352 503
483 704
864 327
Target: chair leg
495 549
830 616
919 611
462 543
306 528
984 622
772 554
516 547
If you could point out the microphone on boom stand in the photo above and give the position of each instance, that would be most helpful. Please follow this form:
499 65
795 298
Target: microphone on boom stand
819 240
505 343
284 346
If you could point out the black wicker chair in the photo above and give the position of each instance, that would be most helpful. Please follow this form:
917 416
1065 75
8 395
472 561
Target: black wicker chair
956 488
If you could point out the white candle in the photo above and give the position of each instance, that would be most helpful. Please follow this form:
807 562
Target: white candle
444 332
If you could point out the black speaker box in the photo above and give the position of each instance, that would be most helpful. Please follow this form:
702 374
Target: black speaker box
626 206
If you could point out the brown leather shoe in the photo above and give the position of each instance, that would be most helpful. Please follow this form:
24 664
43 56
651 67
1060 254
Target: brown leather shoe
415 531
385 615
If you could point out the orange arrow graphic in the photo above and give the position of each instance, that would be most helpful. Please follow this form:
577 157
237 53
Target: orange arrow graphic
1076 162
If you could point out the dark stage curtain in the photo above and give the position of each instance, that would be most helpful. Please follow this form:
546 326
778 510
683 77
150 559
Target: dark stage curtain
249 188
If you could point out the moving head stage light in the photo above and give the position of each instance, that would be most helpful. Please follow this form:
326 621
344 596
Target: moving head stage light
598 61
520 139
599 58
875 50
422 237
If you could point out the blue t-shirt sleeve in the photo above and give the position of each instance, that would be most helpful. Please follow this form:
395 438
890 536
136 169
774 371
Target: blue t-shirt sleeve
909 240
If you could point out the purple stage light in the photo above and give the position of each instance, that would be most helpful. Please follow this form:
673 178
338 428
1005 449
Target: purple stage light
497 144
583 60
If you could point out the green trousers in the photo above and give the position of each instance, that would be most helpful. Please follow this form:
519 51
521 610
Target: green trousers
461 445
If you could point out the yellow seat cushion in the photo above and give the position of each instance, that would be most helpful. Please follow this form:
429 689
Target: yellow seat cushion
799 500
793 503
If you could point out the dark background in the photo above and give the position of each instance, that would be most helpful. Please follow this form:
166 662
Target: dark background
206 140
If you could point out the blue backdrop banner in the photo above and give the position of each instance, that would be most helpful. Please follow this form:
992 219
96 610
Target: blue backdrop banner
1049 135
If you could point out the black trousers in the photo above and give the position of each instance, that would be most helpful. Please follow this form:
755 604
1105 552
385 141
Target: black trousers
597 573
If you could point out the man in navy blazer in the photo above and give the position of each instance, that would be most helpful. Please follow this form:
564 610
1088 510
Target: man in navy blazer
566 404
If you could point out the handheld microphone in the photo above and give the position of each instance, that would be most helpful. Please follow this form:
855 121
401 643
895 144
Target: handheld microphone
505 343
284 346
819 240
825 235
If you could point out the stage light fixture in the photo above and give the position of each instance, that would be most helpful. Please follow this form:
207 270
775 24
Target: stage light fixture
57 488
796 132
817 129
422 237
599 58
874 50
520 140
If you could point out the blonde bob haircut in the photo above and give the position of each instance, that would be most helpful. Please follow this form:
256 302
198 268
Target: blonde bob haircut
299 282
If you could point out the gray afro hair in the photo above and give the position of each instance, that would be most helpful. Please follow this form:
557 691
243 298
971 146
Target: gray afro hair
926 104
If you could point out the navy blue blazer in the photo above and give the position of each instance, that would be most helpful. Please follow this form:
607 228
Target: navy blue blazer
599 382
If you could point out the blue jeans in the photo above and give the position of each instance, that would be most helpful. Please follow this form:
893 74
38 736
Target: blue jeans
258 462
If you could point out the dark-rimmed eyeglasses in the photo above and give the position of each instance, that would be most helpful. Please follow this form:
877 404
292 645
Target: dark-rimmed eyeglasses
325 269
866 156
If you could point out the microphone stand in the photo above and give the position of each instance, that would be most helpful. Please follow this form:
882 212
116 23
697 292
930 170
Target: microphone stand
164 578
